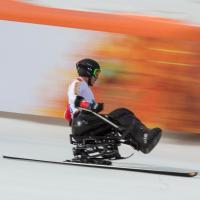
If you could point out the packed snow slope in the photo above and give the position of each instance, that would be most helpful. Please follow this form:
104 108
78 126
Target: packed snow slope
28 180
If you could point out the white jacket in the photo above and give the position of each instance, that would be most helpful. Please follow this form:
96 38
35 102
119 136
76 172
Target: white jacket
79 87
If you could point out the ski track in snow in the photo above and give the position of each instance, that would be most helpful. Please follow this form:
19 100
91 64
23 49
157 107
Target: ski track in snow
27 180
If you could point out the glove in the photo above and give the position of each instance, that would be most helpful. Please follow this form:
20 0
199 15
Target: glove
97 107
81 102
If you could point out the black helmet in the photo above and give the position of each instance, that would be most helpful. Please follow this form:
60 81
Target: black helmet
87 67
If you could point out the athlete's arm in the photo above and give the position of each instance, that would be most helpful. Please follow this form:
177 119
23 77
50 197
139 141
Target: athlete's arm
81 102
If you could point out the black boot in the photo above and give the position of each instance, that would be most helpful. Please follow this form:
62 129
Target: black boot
135 133
146 138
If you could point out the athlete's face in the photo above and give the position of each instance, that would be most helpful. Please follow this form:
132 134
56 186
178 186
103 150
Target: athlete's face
94 78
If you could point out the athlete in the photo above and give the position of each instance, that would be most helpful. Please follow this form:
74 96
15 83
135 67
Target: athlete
84 123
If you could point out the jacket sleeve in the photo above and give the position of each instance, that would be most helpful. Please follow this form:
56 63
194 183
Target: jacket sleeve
74 90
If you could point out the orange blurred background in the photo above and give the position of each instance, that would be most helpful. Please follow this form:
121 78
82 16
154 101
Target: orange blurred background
157 79
149 65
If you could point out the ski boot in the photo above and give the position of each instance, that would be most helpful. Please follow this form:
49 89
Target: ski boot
145 139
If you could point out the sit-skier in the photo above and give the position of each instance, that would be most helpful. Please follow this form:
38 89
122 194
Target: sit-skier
87 124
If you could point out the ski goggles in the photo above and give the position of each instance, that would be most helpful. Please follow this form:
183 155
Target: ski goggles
96 73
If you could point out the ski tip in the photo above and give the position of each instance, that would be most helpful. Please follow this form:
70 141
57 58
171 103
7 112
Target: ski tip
192 174
6 156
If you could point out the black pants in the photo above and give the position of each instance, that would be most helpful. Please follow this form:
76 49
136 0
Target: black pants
87 124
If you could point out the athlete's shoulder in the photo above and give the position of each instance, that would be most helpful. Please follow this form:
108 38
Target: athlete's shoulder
76 85
75 82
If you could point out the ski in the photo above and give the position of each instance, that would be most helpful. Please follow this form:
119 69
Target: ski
134 168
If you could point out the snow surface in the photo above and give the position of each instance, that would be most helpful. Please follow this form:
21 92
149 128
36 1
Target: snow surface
27 180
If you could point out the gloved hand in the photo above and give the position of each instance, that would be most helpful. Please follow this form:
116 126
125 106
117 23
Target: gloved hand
81 102
97 107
